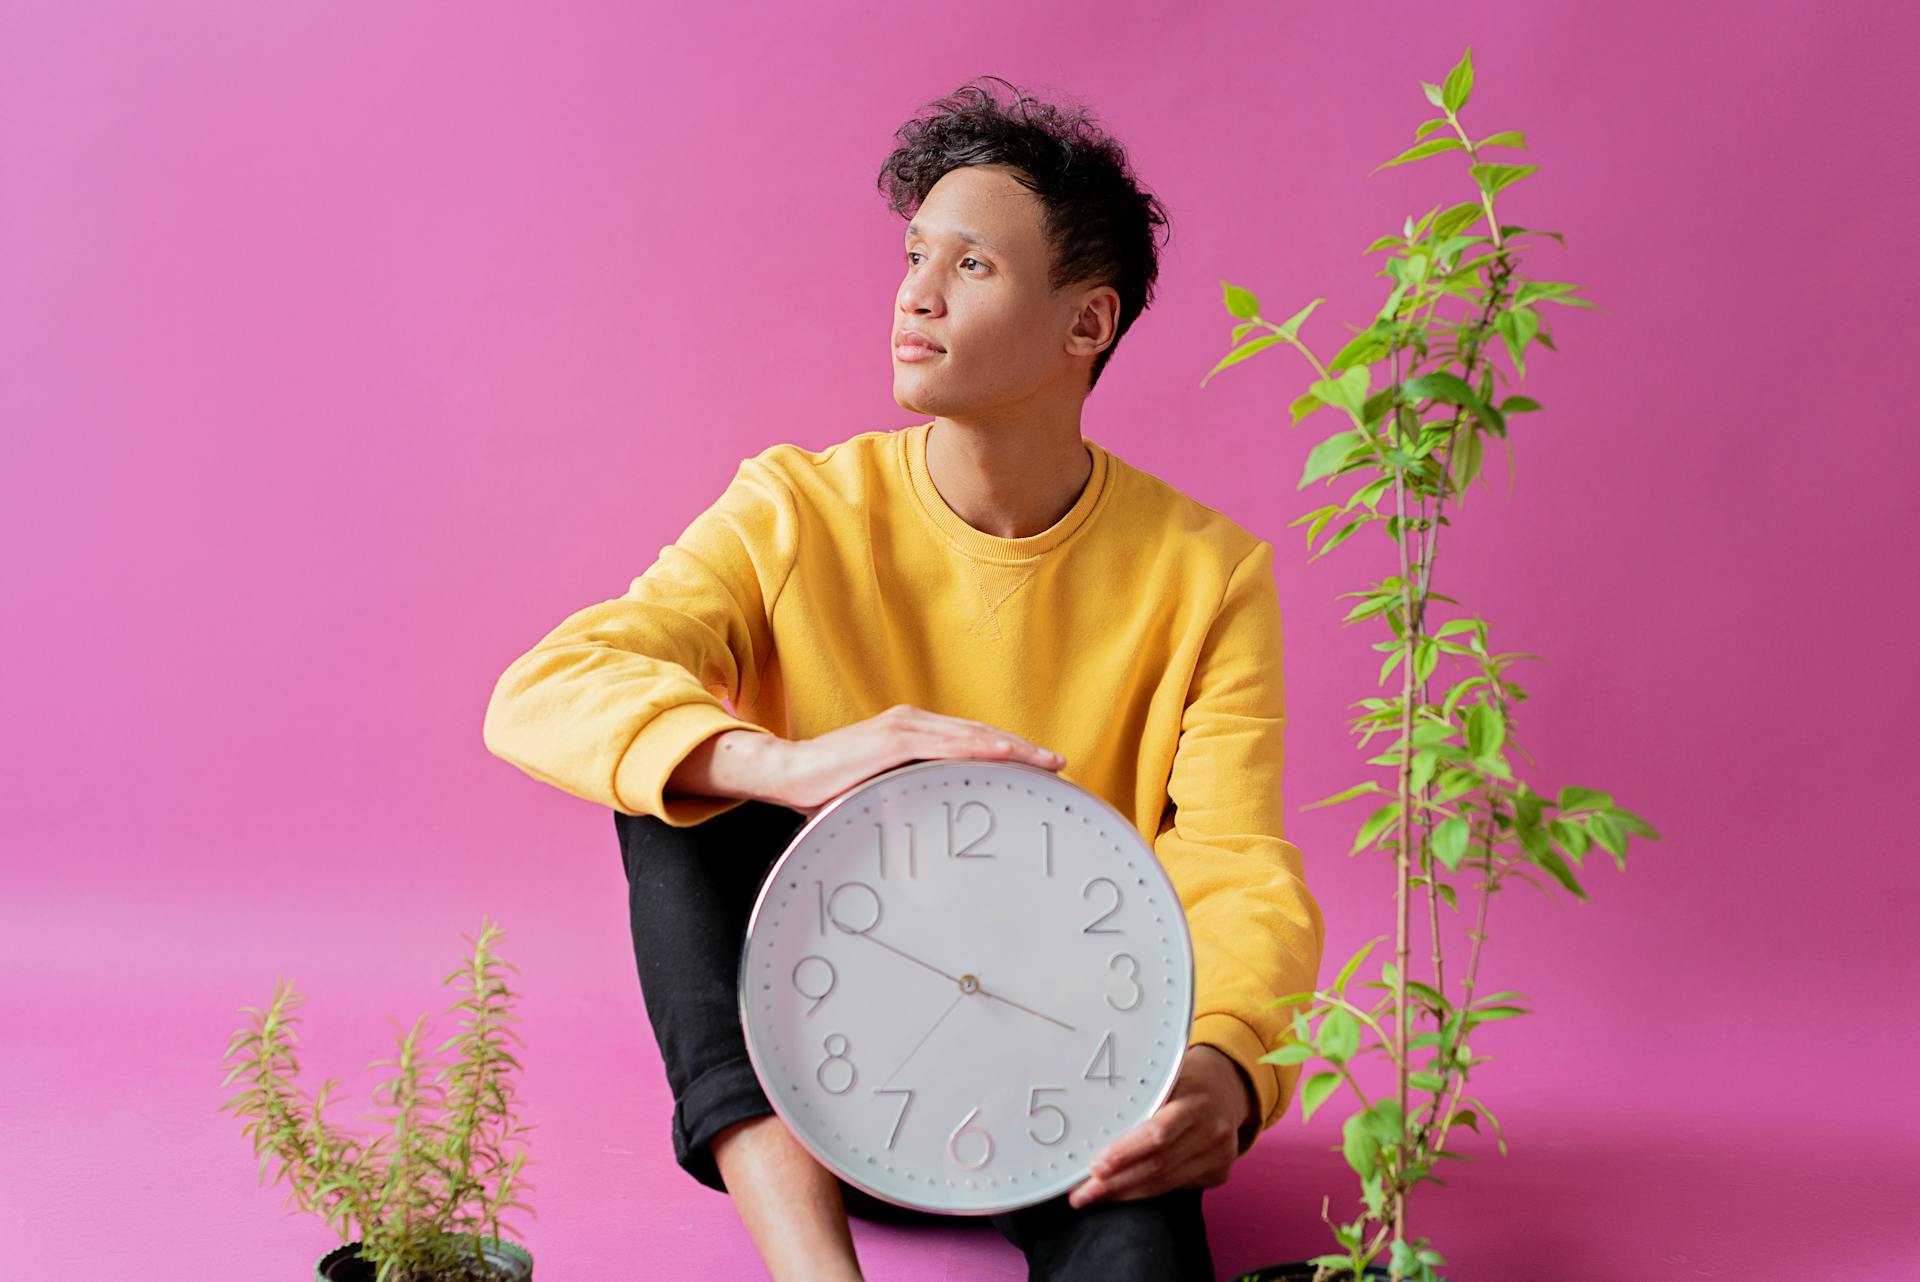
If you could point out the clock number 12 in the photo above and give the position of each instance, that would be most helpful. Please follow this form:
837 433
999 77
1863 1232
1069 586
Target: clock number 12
967 851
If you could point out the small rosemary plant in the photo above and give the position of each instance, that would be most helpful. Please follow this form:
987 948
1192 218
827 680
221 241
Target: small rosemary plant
419 1196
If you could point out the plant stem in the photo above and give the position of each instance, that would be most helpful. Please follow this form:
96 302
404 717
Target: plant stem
1402 864
1489 886
1414 596
1364 1018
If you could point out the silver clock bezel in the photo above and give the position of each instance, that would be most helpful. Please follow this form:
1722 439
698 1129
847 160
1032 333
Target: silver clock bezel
742 984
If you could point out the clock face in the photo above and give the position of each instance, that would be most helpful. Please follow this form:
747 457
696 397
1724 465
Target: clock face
963 980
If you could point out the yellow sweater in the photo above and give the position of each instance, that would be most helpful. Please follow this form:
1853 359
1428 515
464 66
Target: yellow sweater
1139 636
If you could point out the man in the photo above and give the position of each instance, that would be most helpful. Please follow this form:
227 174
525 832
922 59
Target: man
984 583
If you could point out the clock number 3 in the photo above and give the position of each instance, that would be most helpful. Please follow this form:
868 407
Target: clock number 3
1132 977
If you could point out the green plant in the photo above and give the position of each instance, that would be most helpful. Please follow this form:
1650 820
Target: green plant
1417 432
413 1190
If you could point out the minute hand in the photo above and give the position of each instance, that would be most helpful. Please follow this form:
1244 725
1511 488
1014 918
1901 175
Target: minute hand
956 979
1017 1006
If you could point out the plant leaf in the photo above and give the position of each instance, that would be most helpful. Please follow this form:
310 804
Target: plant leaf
1315 1091
1241 353
1459 83
1240 302
1419 151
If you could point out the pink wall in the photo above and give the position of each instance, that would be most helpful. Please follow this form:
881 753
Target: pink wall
347 348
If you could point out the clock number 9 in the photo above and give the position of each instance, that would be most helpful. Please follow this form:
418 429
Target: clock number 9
835 1056
1035 1109
953 1141
822 995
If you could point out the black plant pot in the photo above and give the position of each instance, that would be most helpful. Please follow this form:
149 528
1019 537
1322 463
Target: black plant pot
1301 1271
508 1261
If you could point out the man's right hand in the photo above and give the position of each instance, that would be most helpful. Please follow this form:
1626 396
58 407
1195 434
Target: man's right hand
808 774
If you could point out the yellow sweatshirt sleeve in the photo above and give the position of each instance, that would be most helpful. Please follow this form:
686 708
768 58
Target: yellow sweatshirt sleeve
1257 931
610 702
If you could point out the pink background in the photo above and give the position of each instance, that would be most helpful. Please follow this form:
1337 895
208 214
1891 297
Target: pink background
347 348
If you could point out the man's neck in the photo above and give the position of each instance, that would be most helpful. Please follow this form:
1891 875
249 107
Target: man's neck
1008 482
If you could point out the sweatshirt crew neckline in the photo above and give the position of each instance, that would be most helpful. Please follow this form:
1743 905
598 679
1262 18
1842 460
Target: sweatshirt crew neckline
991 547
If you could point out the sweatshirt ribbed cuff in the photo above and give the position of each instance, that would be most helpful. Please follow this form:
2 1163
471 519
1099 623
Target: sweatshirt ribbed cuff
639 781
1237 1040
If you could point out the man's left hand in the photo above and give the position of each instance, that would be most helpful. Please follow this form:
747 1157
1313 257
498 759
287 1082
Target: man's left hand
1192 1140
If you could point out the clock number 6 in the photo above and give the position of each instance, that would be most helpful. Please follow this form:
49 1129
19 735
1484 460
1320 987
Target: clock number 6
953 1141
1034 1109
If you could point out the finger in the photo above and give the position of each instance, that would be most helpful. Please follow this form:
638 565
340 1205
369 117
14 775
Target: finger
1143 1180
970 728
1144 1140
1151 1175
1046 758
1084 1193
977 738
1001 742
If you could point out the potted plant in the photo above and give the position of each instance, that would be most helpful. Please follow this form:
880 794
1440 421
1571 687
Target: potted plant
410 1206
1418 402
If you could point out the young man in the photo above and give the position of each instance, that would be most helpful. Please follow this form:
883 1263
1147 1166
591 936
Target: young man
986 582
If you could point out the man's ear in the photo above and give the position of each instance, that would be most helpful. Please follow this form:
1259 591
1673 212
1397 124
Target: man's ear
1100 316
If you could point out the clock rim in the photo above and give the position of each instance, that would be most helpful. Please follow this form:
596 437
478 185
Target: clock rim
742 980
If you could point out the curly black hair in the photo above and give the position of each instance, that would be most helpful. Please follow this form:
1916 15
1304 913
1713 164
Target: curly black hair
1098 221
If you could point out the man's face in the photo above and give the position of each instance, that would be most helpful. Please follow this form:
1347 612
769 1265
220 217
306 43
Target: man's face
975 282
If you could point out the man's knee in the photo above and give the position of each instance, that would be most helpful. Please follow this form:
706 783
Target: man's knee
749 1129
1159 1238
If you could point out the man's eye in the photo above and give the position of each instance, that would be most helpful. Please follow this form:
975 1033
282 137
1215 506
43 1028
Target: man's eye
912 254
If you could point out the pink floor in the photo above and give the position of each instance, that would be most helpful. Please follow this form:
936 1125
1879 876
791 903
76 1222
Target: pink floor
1637 1163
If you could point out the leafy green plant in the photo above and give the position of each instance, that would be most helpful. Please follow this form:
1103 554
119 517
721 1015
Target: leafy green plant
1418 392
441 1170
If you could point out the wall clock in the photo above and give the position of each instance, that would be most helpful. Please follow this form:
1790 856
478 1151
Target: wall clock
961 980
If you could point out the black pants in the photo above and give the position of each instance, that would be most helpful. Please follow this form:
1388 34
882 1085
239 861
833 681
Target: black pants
689 892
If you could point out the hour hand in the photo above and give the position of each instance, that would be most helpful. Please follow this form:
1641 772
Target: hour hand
902 952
